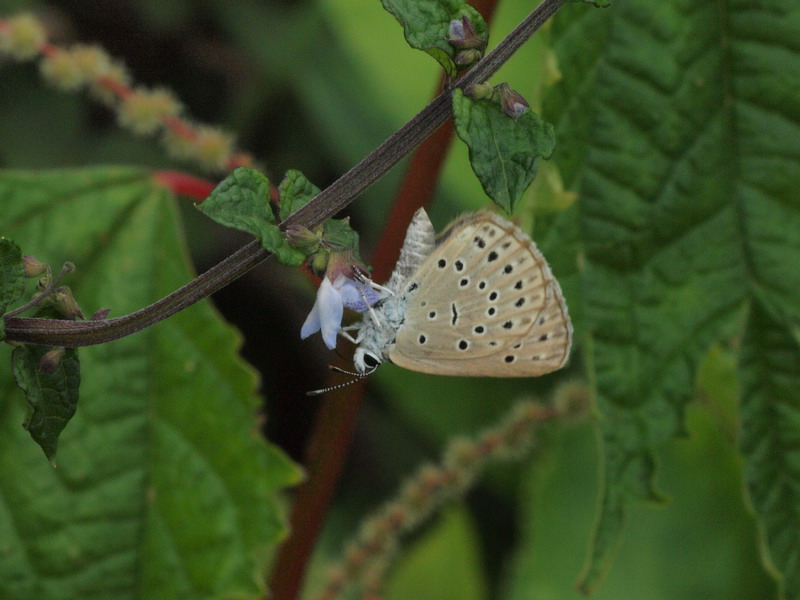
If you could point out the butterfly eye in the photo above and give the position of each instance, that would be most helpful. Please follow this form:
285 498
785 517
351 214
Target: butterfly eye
365 361
371 360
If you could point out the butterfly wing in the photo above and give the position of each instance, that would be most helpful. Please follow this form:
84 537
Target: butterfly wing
484 303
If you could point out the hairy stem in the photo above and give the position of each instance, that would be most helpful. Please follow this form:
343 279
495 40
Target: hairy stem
339 194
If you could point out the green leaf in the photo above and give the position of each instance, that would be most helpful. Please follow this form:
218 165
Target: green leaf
426 25
685 164
164 488
339 235
295 192
770 430
445 564
12 281
503 152
241 201
53 396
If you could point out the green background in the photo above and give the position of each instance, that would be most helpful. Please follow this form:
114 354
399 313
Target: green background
670 118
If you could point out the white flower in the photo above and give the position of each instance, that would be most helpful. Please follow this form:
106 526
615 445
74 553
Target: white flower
332 299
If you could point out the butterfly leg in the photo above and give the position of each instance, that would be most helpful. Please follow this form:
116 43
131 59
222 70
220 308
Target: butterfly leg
372 313
347 336
364 278
374 317
355 326
379 287
343 331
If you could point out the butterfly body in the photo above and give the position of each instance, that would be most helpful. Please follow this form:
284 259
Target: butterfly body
481 301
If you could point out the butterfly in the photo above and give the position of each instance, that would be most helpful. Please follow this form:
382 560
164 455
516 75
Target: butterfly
479 300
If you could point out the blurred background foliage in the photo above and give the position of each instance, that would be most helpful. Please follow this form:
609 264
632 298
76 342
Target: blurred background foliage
315 85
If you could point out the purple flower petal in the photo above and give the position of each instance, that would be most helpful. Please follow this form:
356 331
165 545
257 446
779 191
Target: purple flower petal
356 295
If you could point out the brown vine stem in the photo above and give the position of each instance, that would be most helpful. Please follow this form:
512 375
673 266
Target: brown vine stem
340 193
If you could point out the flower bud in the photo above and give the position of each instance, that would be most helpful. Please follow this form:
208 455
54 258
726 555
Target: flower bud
22 37
213 146
461 34
302 237
92 61
100 314
143 111
480 91
319 262
514 105
467 58
461 452
62 71
42 284
204 144
33 267
51 359
65 303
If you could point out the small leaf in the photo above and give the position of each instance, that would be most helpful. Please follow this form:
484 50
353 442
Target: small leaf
504 152
53 396
241 201
12 281
426 24
295 192
339 235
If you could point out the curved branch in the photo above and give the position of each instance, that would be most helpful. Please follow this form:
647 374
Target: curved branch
57 332
340 193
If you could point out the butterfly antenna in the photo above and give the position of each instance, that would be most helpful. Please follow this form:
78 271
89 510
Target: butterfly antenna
331 388
336 369
355 375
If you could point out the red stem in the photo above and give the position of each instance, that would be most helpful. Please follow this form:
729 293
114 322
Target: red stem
336 423
183 184
176 124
